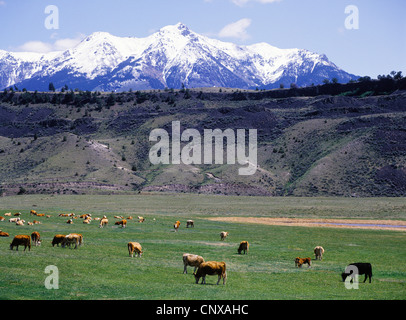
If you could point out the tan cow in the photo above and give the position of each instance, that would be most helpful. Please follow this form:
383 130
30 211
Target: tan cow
8 214
192 260
103 222
211 268
58 239
176 225
318 252
122 223
134 247
244 246
20 222
223 235
21 240
36 238
72 238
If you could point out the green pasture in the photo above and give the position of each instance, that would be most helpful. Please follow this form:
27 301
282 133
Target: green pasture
102 268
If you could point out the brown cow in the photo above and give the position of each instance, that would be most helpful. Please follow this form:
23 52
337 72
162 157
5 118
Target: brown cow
134 247
122 223
21 240
58 239
244 246
176 225
211 268
4 234
33 212
192 260
300 261
36 238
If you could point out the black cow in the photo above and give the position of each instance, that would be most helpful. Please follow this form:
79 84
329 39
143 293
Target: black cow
363 268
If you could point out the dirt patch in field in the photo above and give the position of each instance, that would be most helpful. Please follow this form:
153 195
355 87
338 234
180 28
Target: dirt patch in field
397 225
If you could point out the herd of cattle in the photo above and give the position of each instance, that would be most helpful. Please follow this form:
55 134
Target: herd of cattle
203 267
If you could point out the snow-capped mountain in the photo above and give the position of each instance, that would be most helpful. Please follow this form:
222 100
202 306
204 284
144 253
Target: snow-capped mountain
173 56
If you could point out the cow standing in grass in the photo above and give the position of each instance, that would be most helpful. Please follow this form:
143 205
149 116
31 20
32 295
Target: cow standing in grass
21 240
192 260
211 268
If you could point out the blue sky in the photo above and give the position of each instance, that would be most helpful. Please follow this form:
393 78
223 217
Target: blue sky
378 46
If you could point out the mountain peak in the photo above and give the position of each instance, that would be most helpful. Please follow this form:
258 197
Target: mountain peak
178 28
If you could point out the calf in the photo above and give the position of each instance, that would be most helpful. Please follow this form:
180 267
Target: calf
211 268
192 260
134 247
223 235
21 240
176 225
244 246
300 261
362 267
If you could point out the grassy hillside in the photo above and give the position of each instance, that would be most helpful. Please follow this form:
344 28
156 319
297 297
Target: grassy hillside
85 142
102 269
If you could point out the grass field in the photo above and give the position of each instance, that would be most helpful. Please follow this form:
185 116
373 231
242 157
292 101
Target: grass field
102 269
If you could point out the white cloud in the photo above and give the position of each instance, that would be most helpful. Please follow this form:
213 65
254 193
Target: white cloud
241 3
44 47
236 30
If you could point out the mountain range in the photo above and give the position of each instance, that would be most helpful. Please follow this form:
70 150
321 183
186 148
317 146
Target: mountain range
173 57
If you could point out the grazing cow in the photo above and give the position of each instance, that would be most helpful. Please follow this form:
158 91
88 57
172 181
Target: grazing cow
244 246
362 267
17 214
223 235
36 238
103 222
300 261
21 240
122 223
33 212
141 219
72 238
192 260
211 268
134 247
4 234
176 225
190 223
58 239
318 252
